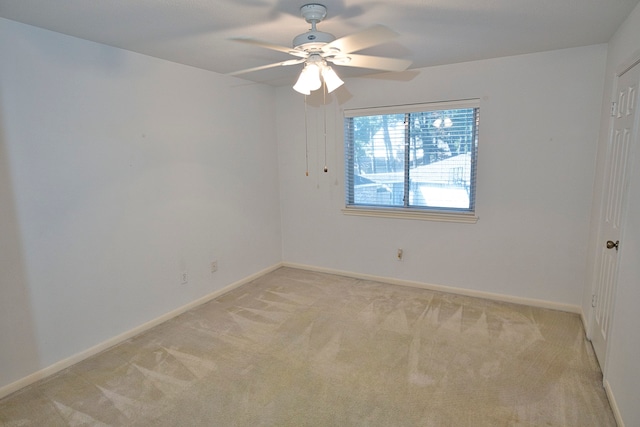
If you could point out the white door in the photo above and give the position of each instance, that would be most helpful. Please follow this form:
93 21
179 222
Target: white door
616 182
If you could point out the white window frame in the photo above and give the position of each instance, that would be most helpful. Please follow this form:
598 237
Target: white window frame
411 212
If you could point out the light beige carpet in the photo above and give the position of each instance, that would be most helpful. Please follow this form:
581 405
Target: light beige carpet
297 348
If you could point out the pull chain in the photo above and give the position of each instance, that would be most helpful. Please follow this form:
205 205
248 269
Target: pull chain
324 102
306 137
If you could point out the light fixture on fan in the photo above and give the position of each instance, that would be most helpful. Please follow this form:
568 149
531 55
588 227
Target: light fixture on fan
314 72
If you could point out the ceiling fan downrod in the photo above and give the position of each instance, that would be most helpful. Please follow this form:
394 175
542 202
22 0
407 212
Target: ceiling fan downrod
313 39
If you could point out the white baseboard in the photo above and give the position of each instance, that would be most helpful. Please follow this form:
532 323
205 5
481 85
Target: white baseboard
65 363
585 325
614 405
448 289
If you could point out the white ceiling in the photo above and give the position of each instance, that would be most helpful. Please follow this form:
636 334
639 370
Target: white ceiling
432 32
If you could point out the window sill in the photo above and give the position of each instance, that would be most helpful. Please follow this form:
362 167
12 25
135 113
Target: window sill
444 216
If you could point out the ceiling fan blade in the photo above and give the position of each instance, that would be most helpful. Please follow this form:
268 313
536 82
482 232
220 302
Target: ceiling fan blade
271 46
363 39
373 62
264 67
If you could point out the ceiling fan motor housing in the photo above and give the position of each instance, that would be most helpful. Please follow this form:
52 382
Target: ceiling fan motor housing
312 40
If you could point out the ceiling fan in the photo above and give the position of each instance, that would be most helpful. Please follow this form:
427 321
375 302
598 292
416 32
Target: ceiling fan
317 49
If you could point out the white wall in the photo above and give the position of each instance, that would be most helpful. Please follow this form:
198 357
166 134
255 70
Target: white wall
117 172
539 123
621 371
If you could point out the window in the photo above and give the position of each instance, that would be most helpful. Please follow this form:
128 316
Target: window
415 161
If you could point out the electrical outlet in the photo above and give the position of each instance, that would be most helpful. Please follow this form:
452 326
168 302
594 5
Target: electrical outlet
184 278
400 254
214 266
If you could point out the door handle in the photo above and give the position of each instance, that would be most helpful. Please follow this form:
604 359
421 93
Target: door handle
611 244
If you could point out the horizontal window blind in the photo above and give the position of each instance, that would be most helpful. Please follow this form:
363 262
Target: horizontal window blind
412 157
